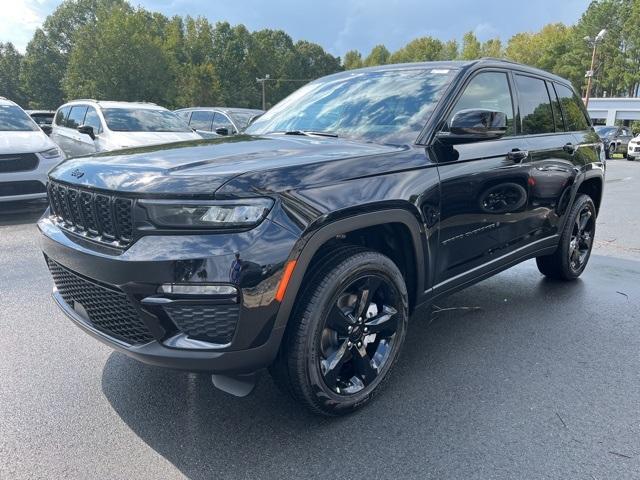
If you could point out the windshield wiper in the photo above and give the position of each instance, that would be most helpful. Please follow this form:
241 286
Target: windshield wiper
309 133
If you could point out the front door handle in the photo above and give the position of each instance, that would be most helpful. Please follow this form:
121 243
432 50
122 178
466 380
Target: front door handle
516 155
570 148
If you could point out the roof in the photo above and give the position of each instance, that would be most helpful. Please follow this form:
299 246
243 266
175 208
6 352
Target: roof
116 104
457 65
6 101
41 112
230 110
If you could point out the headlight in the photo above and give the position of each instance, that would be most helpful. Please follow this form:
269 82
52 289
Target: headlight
51 153
208 214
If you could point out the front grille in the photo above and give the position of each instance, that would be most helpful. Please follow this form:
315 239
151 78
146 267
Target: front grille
211 323
24 187
109 309
100 217
19 162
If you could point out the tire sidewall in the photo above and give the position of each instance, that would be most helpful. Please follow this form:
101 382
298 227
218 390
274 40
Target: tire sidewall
578 205
348 272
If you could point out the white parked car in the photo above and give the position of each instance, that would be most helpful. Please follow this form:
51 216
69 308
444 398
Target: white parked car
633 150
83 127
26 155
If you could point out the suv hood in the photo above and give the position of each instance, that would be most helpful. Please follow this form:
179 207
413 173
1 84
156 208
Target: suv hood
24 142
201 167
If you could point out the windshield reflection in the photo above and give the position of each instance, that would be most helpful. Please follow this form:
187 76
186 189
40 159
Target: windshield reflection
384 106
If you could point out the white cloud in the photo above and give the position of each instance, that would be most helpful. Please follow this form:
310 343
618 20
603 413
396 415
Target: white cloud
21 18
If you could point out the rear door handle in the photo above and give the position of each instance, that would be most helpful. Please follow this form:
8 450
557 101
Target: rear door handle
516 155
569 148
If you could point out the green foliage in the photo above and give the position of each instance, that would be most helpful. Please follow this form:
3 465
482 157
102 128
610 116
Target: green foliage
352 59
109 49
379 56
10 66
471 47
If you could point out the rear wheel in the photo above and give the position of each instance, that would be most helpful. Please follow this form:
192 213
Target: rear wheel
345 334
576 241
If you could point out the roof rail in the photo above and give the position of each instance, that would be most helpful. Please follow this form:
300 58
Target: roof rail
83 100
3 98
496 59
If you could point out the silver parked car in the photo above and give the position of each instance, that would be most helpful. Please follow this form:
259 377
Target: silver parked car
26 155
82 127
218 121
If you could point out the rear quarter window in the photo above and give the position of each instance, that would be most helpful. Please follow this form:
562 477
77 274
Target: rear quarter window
572 108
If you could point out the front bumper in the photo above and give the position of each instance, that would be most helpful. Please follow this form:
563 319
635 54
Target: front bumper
26 185
252 261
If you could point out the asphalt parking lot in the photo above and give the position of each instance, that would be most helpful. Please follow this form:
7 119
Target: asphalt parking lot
517 377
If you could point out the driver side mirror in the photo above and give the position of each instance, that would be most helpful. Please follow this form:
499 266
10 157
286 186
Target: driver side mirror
87 130
474 125
222 131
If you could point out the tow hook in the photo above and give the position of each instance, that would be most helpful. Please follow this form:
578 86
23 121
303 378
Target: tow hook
237 385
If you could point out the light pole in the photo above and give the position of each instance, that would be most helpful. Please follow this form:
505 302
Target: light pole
598 38
264 95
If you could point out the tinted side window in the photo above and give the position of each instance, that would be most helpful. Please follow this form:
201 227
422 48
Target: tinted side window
201 120
488 91
61 115
557 110
221 121
92 119
572 109
535 106
76 116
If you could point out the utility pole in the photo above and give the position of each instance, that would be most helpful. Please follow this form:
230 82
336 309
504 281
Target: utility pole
264 93
590 72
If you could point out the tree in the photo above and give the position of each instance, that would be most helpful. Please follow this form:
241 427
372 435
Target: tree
42 72
471 48
422 49
10 66
352 59
491 48
450 50
119 58
379 56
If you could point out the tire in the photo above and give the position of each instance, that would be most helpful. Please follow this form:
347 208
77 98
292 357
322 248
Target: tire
333 360
576 241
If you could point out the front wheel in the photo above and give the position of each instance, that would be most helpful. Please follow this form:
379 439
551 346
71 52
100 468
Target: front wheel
345 334
576 241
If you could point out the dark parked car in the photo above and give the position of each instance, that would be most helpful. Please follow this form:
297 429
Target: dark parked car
44 119
305 244
211 122
615 139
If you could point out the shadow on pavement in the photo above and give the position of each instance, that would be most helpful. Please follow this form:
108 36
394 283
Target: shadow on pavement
474 393
19 213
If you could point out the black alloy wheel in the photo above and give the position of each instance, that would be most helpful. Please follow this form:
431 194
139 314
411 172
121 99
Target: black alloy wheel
359 334
345 333
581 238
576 241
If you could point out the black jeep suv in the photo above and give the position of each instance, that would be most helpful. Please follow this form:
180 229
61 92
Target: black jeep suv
305 244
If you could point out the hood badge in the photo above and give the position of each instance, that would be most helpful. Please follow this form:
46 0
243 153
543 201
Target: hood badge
77 173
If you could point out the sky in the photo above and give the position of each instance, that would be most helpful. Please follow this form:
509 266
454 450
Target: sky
338 25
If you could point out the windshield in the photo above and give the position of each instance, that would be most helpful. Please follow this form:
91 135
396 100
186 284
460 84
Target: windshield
14 119
605 131
143 120
242 118
385 107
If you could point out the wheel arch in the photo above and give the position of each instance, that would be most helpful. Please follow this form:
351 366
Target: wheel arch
343 227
